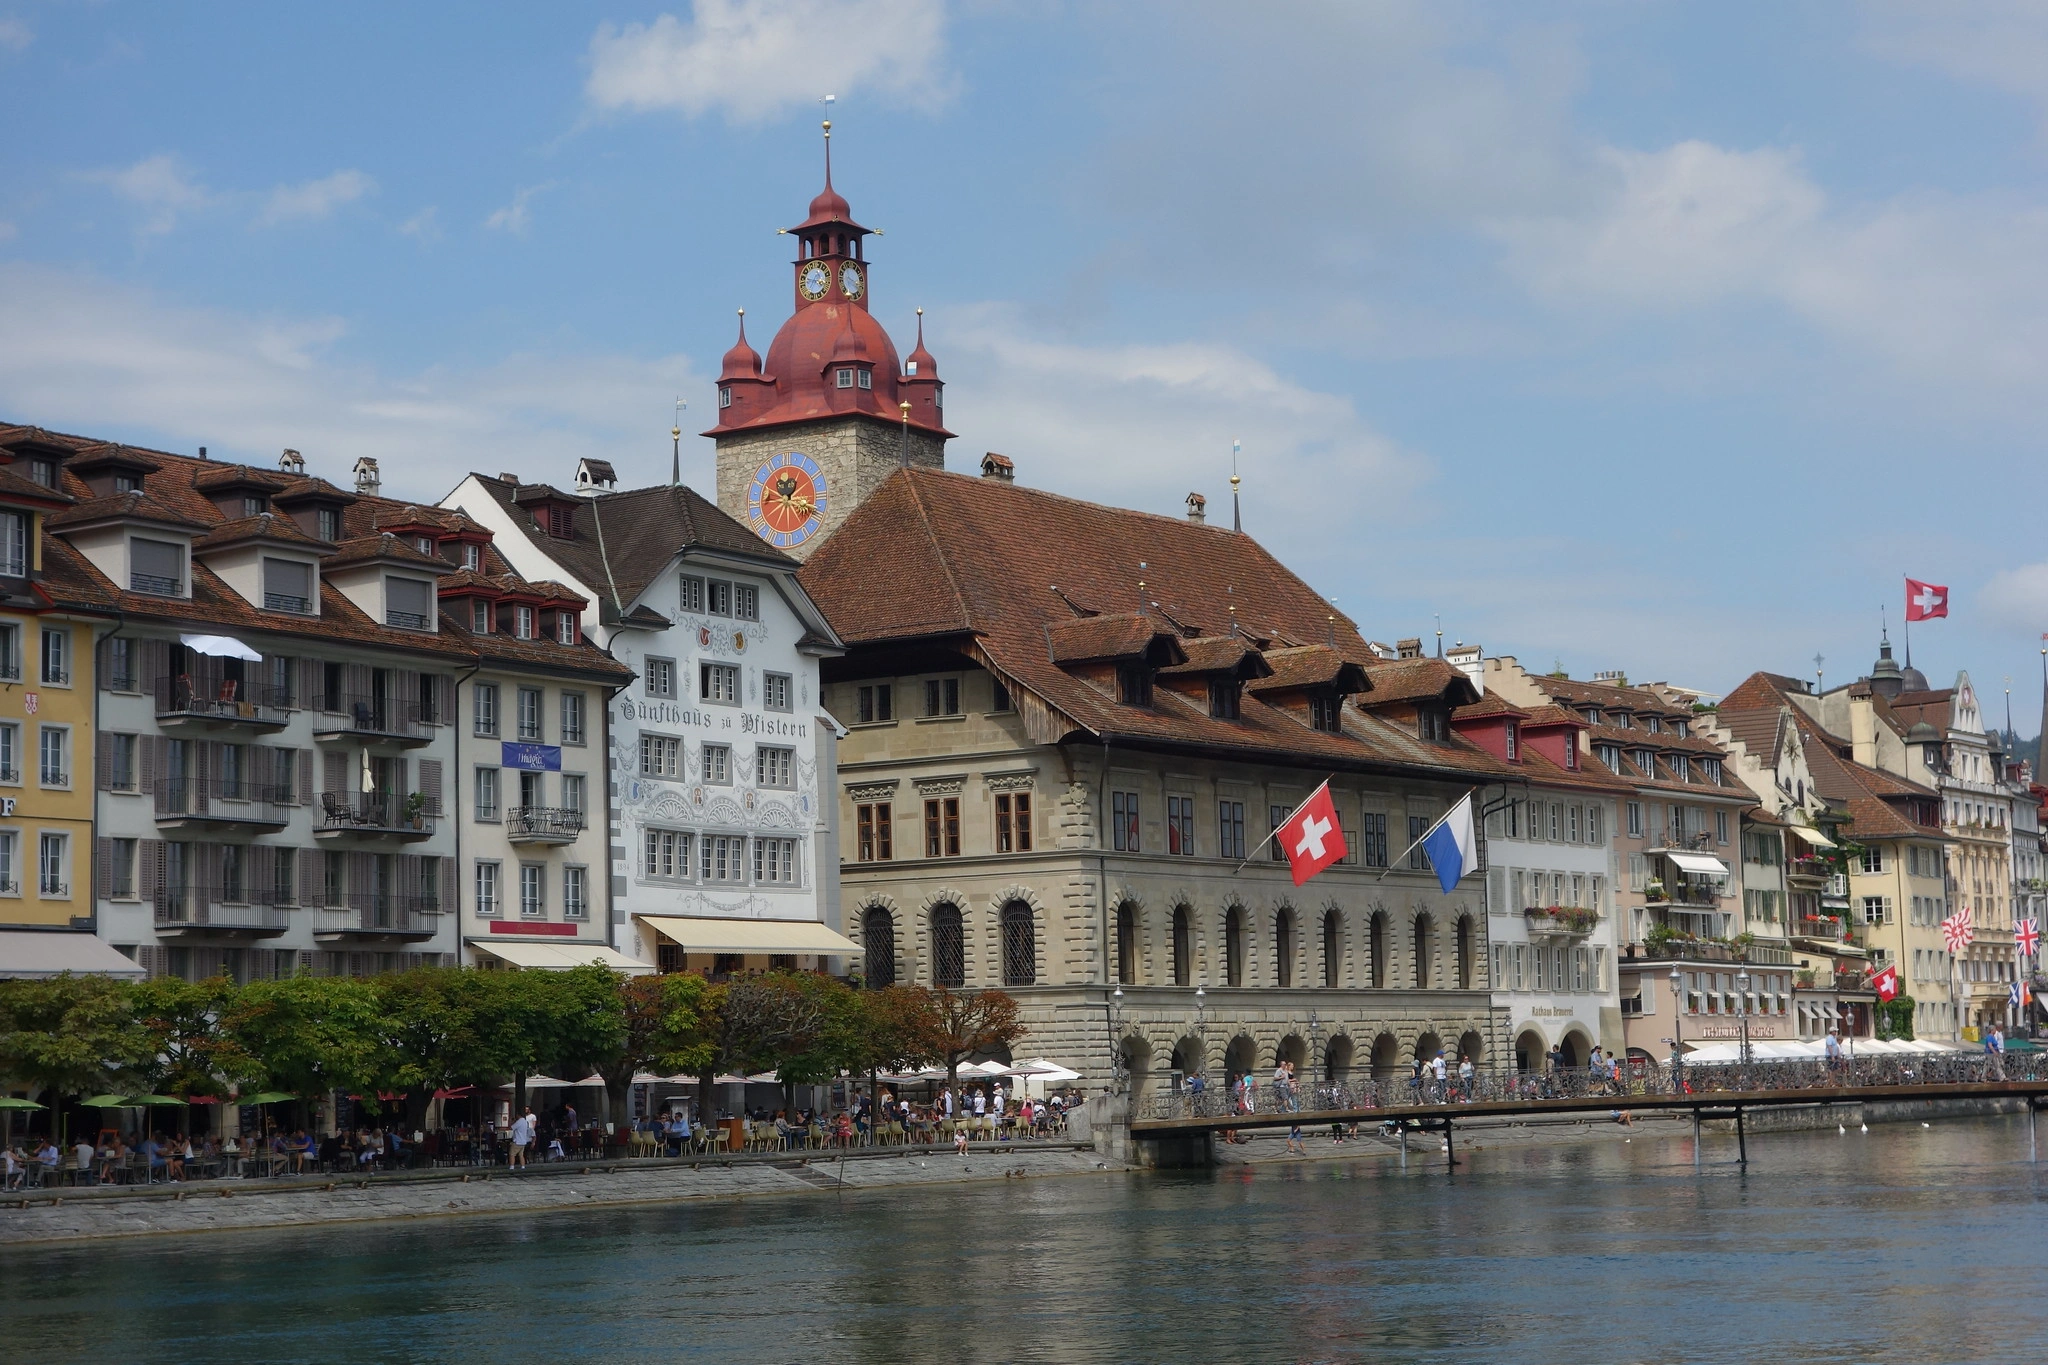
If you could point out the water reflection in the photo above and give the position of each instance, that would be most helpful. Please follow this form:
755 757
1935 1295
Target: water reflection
1904 1243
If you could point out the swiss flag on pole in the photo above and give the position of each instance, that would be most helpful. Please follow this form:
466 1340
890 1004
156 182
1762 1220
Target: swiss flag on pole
1311 837
1886 983
1925 601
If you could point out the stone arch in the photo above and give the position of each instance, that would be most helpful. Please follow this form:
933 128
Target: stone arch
1472 1048
1332 950
1285 945
1183 947
1424 946
1377 934
879 946
1427 1045
954 942
1137 1060
1575 1048
1190 1056
1241 1058
1233 945
1465 944
1293 1048
1019 933
1386 1057
1337 1059
1128 935
1530 1050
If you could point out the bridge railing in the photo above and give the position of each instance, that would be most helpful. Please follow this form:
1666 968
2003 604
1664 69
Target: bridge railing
1714 1078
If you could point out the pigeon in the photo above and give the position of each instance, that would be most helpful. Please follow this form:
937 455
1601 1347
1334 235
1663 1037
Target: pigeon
1840 1129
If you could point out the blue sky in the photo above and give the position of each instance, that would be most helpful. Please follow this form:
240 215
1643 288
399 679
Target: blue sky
1622 336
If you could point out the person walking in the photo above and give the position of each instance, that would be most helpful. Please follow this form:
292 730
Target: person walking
1295 1146
1466 1076
1438 1072
1832 1050
522 1138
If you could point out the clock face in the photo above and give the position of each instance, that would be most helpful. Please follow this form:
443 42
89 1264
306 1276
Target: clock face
814 281
786 501
850 282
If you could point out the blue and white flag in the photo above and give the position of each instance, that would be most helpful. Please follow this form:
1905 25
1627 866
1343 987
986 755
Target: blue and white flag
1453 846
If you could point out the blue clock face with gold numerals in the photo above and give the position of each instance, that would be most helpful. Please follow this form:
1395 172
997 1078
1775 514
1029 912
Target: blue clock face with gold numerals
786 501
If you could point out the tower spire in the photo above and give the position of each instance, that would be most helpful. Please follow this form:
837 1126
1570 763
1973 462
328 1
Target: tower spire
675 435
1236 514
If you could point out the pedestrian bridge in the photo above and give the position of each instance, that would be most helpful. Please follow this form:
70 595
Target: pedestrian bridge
1177 1128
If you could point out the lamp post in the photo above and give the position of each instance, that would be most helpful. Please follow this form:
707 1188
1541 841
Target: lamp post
1677 1028
1742 1008
1117 1070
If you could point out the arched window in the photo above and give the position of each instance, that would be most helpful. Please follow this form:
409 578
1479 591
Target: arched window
1283 948
1379 951
1020 945
1464 952
878 945
949 947
1422 952
1183 948
1333 946
1127 944
1233 947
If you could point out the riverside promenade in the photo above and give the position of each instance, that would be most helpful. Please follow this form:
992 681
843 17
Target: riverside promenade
80 1214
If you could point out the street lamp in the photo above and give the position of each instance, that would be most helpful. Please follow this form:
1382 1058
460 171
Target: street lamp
1677 1026
1742 1008
1117 1069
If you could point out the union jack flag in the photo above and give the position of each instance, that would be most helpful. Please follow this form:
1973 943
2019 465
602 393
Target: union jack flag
1957 931
2027 936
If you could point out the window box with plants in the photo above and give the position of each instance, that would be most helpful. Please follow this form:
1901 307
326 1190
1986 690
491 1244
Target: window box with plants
1561 919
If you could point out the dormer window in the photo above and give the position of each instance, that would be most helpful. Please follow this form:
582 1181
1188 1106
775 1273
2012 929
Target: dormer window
565 628
13 544
43 470
409 603
156 567
472 556
1224 697
844 379
1680 767
1610 754
1512 734
329 522
127 483
1647 761
254 505
287 586
865 378
725 395
561 521
1433 722
424 544
1592 715
1134 685
1682 728
480 616
1623 721
1655 724
1326 712
522 622
1571 754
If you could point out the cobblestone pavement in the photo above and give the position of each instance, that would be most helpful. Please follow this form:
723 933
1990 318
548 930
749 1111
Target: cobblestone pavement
226 1205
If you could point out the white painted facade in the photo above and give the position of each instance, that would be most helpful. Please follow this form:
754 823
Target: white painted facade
1558 985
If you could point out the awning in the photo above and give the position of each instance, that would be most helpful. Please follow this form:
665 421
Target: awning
220 647
1705 863
560 957
27 953
703 935
1813 836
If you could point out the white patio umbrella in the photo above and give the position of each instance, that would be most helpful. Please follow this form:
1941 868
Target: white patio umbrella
220 647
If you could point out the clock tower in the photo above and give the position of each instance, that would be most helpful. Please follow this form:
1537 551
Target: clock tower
808 431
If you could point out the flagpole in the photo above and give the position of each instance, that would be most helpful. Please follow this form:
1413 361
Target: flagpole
1277 828
1907 626
1393 862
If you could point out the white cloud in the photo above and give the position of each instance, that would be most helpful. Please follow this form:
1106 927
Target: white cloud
515 217
115 362
8 232
159 186
424 226
314 199
753 61
15 34
2018 597
2000 44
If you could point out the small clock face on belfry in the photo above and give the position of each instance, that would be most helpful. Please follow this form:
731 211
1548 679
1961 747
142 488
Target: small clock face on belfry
814 281
850 282
786 500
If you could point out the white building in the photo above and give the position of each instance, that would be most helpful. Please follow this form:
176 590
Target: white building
722 854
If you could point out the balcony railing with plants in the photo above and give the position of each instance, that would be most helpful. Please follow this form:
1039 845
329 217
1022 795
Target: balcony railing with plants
1560 919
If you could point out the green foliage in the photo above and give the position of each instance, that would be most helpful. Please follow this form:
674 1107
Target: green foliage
311 1034
74 1035
188 1052
1895 1018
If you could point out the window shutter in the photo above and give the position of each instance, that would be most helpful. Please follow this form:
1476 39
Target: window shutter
407 693
103 764
1497 889
149 870
334 774
408 880
430 784
146 759
358 875
356 680
202 770
145 958
312 879
449 889
103 868
156 663
445 707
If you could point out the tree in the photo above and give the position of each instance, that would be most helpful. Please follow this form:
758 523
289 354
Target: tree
668 1021
588 1022
758 1021
1895 1018
431 1036
69 1035
962 1023
517 1014
889 1029
311 1035
188 1052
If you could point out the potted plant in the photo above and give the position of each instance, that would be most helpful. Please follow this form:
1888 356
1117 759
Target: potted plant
1655 890
415 808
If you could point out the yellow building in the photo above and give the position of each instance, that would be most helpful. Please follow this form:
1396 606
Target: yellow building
46 715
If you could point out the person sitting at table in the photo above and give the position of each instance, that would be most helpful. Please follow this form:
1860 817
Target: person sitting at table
175 1152
82 1154
112 1157
153 1155
296 1149
842 1129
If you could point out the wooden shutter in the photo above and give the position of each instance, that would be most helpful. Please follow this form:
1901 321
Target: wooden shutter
444 687
312 877
356 682
156 665
430 784
406 694
202 772
103 762
149 760
149 869
305 777
408 880
103 868
450 889
358 874
334 778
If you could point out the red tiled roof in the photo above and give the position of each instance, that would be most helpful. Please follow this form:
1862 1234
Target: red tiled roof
262 526
1131 635
1297 667
136 506
1220 654
1397 680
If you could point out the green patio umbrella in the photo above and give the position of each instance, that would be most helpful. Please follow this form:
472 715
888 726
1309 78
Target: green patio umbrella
9 1102
266 1097
108 1102
154 1101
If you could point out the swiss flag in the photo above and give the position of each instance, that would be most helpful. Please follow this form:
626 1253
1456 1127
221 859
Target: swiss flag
1311 838
1886 983
1925 601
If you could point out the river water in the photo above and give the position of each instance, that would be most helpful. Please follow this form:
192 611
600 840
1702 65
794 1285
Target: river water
1904 1243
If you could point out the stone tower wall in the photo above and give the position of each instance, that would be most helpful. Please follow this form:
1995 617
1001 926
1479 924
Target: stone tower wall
855 455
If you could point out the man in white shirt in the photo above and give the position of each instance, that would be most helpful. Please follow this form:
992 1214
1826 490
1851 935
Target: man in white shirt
81 1159
980 1103
522 1137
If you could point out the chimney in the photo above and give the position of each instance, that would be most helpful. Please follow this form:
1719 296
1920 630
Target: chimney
994 466
1471 661
367 482
1410 648
1615 676
595 477
291 462
202 452
1197 507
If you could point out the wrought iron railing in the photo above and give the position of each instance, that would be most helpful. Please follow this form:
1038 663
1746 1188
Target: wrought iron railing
375 812
1395 1093
232 799
156 585
544 821
183 696
371 715
229 907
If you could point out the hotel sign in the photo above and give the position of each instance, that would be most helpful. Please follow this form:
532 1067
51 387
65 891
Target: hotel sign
532 758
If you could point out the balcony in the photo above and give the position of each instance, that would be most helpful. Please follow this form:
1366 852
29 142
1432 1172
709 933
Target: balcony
1560 921
1683 843
182 706
373 720
1683 894
156 585
373 815
1812 871
188 803
543 825
215 912
373 916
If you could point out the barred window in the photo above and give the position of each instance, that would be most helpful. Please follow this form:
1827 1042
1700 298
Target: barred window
724 858
775 861
878 946
875 705
1230 829
778 767
661 756
1020 945
949 947
666 855
1375 838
